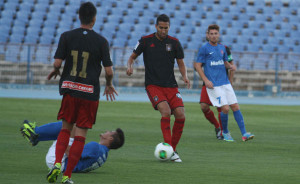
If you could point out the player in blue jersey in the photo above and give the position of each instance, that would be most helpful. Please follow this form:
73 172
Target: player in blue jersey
94 154
213 57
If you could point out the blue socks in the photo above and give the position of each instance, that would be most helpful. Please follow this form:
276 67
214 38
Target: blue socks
240 121
48 131
224 120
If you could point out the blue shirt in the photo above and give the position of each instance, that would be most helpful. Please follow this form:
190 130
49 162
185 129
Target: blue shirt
213 58
93 156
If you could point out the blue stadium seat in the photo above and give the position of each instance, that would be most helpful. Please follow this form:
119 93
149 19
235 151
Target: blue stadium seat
132 42
3 37
238 47
71 11
31 38
12 52
20 30
7 13
285 11
279 33
26 6
46 39
120 42
10 5
253 47
40 7
268 48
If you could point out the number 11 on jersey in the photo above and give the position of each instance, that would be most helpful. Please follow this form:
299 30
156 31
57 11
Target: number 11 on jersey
85 56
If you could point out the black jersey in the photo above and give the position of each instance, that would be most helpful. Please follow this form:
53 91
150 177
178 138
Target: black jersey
83 50
159 58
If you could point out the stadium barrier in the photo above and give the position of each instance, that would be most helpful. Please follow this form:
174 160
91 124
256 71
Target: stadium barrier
273 73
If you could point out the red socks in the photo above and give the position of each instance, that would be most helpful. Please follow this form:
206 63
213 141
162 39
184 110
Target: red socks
219 112
165 128
61 144
177 132
210 116
74 154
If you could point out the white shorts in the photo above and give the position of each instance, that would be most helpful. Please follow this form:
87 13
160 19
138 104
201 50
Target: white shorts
50 157
222 95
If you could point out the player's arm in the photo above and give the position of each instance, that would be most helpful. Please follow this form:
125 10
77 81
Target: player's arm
183 71
229 66
198 68
109 90
231 74
130 63
56 65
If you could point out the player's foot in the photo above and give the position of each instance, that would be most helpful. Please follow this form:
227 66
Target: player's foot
219 134
67 180
247 136
55 171
27 131
227 137
175 157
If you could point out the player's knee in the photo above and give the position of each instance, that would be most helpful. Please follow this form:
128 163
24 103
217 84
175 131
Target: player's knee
225 109
165 113
235 107
204 107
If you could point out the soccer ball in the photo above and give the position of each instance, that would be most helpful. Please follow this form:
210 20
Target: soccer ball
163 151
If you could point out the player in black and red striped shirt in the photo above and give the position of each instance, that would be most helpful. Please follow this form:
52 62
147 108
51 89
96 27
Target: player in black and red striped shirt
83 51
159 53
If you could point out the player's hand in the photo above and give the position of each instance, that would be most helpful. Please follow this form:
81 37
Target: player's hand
233 68
129 71
187 82
54 74
209 84
110 93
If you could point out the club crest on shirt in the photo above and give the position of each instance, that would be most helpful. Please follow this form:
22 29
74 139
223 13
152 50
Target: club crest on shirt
178 95
222 52
155 98
168 47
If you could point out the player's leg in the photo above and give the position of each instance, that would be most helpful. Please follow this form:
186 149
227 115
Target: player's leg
204 104
232 100
238 116
86 117
219 117
224 121
75 151
67 113
165 112
28 132
61 146
159 102
176 104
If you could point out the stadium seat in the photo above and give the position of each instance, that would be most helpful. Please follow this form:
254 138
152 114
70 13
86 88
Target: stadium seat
31 38
12 52
3 37
46 39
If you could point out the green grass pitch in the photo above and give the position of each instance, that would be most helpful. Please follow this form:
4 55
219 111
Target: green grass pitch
273 156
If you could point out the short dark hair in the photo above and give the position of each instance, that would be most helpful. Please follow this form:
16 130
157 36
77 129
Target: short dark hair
162 18
118 139
213 26
87 12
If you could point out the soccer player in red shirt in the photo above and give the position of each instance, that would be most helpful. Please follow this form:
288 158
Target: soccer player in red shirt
159 52
83 50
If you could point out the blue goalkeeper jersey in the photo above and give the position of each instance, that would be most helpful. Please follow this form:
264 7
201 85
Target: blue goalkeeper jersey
213 58
93 156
